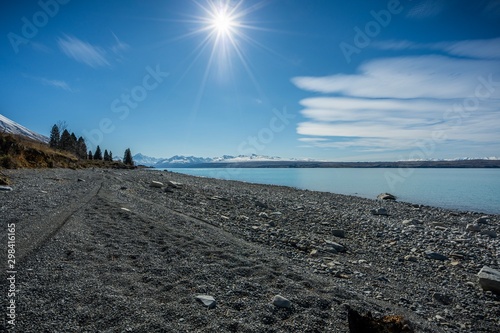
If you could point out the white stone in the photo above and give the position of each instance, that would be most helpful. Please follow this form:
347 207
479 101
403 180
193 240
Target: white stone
411 222
489 279
338 247
156 184
174 184
206 300
379 211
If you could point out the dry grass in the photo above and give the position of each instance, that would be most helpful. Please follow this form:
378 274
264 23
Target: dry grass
20 152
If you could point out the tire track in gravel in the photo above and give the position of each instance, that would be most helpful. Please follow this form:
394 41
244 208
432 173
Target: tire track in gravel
37 238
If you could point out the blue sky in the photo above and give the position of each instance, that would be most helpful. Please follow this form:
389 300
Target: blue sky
329 80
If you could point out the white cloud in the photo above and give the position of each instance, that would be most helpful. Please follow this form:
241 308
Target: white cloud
408 77
350 103
480 48
83 52
312 139
395 104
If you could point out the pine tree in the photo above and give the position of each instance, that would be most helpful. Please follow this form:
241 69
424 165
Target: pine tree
55 137
90 157
110 156
81 148
98 153
127 158
106 155
66 141
73 144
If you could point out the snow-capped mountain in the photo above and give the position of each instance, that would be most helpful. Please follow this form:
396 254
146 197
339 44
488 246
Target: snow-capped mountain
490 158
10 126
141 159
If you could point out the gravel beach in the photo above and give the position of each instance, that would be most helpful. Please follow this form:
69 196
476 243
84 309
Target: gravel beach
101 250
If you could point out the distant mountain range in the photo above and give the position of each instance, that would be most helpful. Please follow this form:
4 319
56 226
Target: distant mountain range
260 161
189 161
9 126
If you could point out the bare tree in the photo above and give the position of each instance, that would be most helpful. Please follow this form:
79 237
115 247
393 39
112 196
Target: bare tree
62 125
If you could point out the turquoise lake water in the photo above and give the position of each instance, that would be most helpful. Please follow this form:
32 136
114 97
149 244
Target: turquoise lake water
459 189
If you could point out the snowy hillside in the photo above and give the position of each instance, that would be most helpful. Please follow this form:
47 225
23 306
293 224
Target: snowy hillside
10 126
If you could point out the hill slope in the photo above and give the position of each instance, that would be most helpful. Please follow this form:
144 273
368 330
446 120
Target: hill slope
11 127
17 151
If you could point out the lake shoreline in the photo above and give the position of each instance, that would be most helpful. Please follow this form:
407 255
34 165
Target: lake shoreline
475 190
95 245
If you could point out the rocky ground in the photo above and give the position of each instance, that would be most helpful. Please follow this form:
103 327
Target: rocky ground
112 251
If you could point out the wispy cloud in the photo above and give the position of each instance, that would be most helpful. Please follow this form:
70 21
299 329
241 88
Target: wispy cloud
83 52
53 83
393 104
478 48
426 8
57 84
119 47
92 55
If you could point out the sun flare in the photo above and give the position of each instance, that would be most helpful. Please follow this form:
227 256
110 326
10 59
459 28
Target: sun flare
223 27
223 24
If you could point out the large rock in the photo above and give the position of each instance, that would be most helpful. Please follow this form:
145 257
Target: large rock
281 302
489 279
206 300
386 196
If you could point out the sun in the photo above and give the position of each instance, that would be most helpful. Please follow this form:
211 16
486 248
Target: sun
222 23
